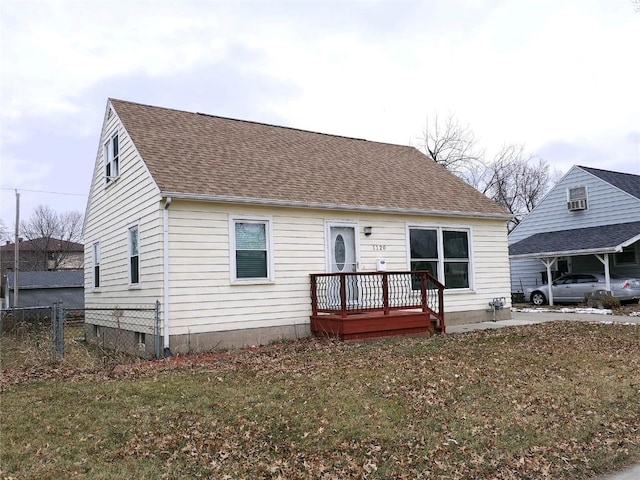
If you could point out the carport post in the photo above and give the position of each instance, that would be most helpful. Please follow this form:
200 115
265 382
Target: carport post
547 263
607 276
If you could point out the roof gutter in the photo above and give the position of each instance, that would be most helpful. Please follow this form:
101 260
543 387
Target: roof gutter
569 253
330 206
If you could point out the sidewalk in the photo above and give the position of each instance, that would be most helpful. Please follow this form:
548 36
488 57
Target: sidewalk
531 318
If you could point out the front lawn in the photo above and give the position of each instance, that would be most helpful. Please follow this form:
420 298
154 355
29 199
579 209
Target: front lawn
555 400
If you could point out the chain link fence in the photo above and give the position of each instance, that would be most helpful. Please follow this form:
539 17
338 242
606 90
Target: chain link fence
125 331
85 337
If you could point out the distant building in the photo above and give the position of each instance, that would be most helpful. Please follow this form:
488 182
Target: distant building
40 254
37 289
589 222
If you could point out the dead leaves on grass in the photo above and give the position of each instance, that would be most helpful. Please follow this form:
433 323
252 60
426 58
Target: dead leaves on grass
557 400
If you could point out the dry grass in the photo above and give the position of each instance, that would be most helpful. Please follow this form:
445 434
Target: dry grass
558 400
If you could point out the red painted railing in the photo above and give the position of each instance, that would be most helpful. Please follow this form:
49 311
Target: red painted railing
360 292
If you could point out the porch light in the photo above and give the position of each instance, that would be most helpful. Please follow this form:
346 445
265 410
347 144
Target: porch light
367 231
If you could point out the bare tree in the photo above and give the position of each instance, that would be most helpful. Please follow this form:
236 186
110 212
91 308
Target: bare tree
514 179
451 144
53 237
4 232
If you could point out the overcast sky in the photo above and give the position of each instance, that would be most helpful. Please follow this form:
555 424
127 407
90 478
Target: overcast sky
560 76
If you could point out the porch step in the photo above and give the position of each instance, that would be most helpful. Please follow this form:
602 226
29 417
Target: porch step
374 324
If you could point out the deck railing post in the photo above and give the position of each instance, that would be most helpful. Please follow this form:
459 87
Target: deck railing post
423 291
314 295
441 309
385 293
343 295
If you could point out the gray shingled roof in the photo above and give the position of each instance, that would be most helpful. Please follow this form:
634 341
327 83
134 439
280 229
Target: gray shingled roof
202 156
626 182
46 279
605 238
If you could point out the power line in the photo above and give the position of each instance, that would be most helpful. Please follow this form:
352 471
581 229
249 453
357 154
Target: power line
45 191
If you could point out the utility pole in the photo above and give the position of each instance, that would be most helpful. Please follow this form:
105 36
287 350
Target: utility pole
16 252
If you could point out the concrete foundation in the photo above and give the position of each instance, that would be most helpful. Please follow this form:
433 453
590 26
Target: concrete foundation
211 341
137 344
128 341
475 316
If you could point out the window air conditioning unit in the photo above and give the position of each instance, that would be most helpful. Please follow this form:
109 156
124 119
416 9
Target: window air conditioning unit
576 205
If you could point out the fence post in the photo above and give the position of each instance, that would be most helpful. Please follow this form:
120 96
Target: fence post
156 329
60 330
57 331
54 330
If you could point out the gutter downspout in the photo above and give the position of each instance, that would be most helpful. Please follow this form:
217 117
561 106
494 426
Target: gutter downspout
167 204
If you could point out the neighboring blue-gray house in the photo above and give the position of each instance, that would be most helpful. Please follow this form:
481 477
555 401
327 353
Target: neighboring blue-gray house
588 222
36 289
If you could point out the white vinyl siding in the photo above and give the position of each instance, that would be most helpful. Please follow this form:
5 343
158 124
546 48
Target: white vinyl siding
203 298
133 199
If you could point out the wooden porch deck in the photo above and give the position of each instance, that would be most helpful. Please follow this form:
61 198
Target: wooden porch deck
376 304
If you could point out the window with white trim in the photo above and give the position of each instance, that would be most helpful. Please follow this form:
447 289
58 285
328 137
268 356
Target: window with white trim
443 252
134 256
251 255
96 265
112 158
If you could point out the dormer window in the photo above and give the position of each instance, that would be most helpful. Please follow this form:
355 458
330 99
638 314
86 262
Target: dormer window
112 159
577 199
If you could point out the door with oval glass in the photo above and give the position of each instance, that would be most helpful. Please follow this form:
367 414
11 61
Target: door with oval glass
343 259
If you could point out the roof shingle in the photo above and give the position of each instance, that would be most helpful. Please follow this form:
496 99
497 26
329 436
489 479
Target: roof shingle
604 237
203 155
627 182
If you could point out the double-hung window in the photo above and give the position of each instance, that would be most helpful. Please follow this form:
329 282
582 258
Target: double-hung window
443 252
112 158
96 265
251 249
134 256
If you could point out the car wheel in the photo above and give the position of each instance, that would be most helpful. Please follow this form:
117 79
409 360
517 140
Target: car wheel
538 298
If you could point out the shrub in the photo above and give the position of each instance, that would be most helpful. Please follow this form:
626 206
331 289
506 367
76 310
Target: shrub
609 301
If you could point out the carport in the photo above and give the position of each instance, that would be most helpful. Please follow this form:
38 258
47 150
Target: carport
601 241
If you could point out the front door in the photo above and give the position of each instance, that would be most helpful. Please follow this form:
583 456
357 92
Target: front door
343 259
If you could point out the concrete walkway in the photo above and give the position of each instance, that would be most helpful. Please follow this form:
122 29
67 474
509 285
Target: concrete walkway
530 318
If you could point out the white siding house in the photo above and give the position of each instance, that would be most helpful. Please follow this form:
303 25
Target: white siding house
588 222
223 221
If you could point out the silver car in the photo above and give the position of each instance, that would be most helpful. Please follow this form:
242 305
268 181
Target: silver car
574 287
